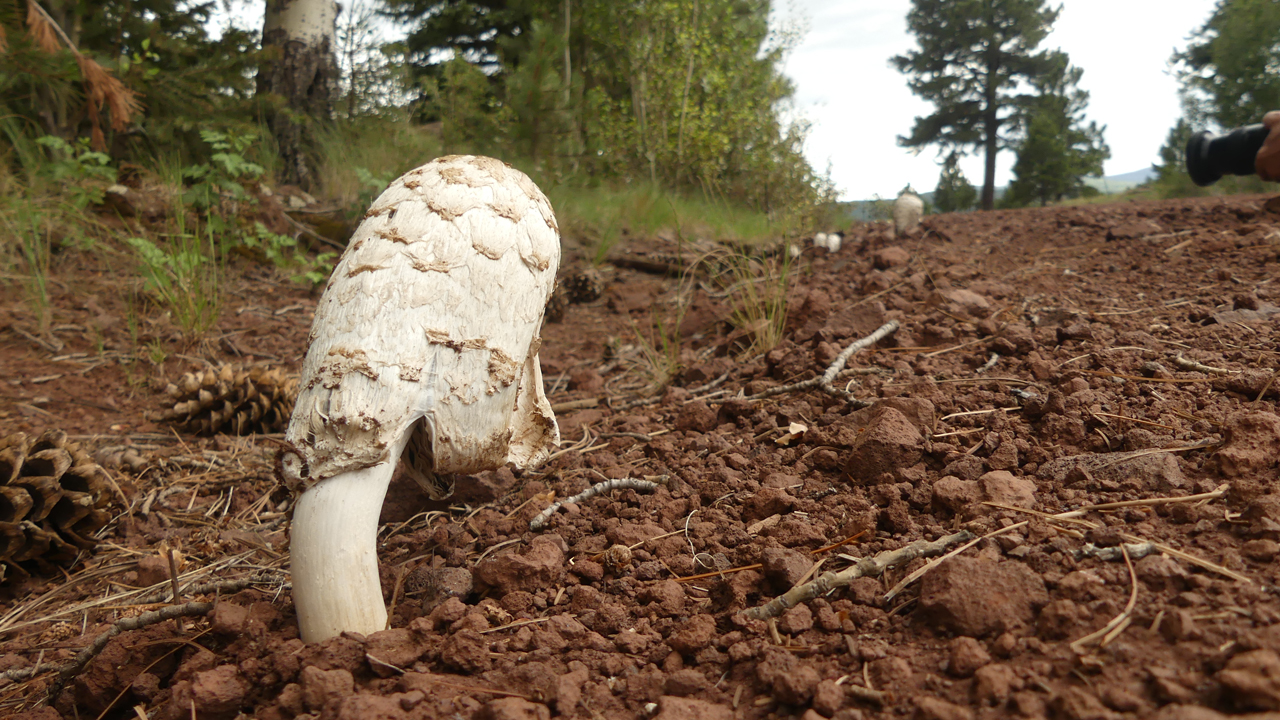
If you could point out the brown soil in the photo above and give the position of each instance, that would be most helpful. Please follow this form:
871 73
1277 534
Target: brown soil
1085 313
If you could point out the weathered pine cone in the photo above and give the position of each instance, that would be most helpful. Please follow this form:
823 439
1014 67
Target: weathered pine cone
583 285
557 303
232 399
53 498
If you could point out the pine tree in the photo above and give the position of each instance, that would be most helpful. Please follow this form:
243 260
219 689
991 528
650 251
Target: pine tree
955 192
1059 149
1228 70
972 57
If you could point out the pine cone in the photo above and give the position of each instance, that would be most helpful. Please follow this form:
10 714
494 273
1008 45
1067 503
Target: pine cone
556 305
53 498
584 285
232 399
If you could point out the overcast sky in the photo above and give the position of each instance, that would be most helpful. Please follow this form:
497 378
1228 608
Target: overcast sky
859 104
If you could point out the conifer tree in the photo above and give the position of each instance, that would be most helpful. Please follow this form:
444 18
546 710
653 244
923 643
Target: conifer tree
972 57
954 192
1228 70
1059 149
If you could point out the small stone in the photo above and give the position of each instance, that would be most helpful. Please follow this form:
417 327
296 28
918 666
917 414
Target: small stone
953 494
1079 704
1000 486
679 708
796 620
513 708
696 416
932 708
1252 680
540 566
889 442
693 635
992 684
828 698
1262 550
977 596
891 257
967 655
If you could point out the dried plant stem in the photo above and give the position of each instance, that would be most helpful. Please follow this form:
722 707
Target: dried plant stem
1188 364
647 485
1119 622
824 382
72 668
867 567
935 563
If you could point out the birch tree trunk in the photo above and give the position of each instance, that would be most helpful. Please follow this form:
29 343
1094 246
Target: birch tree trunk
299 77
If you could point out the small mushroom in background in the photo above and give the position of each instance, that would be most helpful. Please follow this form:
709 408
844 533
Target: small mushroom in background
907 211
828 241
425 344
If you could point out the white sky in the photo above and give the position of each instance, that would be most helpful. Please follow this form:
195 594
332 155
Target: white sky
859 104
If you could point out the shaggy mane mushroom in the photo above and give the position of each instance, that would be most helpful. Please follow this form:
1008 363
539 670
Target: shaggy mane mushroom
424 349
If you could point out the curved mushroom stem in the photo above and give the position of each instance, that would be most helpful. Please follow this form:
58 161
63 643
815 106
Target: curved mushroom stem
334 552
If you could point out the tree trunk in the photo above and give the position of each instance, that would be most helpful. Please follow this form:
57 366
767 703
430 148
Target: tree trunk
990 132
299 78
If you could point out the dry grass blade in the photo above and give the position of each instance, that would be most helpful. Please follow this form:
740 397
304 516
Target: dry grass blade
1188 557
1119 622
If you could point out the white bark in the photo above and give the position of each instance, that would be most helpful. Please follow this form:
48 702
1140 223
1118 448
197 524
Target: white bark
308 21
426 338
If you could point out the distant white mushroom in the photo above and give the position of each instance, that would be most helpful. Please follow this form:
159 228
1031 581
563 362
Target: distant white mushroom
907 211
834 240
425 343
828 241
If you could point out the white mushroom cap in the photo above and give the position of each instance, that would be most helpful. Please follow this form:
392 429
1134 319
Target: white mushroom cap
430 323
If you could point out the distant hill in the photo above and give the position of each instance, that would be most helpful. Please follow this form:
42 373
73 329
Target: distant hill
865 210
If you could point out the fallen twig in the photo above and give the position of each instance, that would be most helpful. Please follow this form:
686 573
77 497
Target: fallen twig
648 485
1188 364
824 382
72 668
930 566
867 567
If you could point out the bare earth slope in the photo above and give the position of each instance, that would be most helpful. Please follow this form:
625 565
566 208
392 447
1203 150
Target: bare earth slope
1046 361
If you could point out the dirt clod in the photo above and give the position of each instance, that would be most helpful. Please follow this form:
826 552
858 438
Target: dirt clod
976 596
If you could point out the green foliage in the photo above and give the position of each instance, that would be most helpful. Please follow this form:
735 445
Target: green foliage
954 193
1059 149
973 57
183 277
358 158
283 252
472 118
225 174
82 173
1229 69
686 94
30 227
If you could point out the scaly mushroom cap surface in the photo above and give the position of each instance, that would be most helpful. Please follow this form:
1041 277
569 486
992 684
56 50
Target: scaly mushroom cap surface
430 323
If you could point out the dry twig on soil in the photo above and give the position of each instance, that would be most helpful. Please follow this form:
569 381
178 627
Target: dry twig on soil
867 567
1188 364
648 485
71 669
824 381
